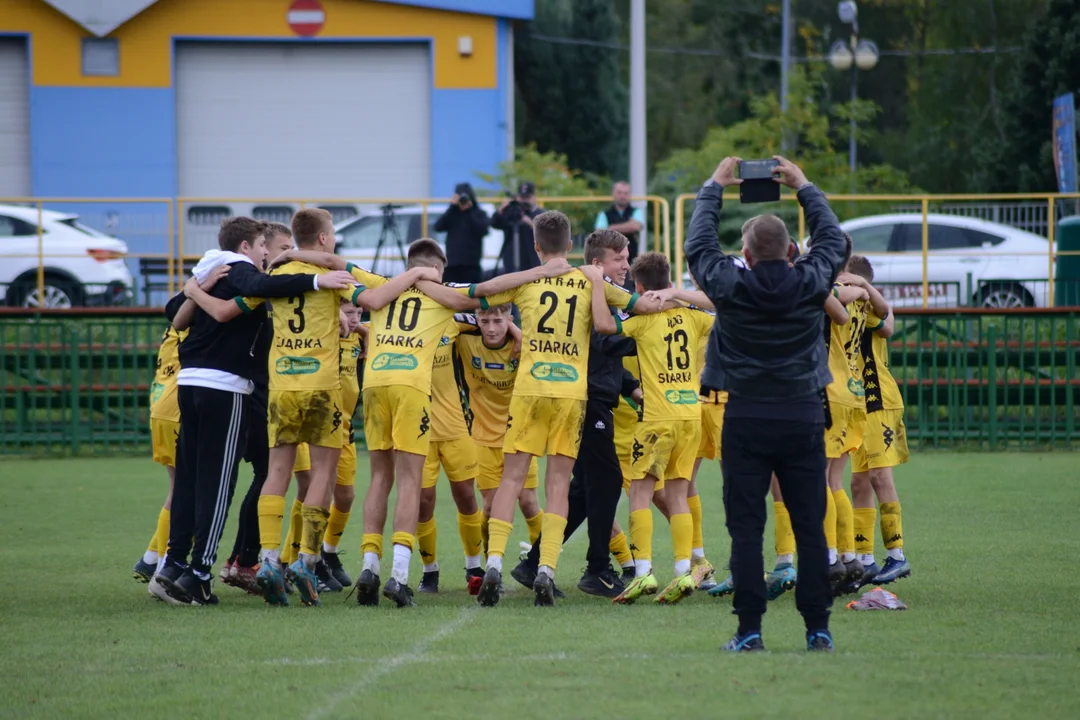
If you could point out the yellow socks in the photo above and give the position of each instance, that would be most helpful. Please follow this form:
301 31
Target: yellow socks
864 530
830 524
427 538
271 517
403 539
695 516
335 528
785 536
498 536
641 525
620 548
682 533
371 543
845 526
314 527
470 528
551 542
536 524
161 537
892 532
291 550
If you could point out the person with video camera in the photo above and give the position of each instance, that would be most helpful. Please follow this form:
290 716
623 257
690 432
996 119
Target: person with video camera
766 350
515 218
465 225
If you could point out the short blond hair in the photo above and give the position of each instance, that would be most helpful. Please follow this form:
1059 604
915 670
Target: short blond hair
308 223
425 252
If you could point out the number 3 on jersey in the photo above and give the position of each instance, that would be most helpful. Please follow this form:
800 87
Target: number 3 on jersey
296 324
550 301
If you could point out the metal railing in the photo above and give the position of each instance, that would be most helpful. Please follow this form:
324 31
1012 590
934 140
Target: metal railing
78 382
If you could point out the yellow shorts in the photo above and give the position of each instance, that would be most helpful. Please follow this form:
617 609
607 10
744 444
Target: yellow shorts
490 460
303 458
666 450
311 416
396 417
544 426
884 442
163 435
346 467
846 432
458 458
712 427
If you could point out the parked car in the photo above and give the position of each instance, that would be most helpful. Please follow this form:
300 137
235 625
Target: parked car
82 266
358 238
971 261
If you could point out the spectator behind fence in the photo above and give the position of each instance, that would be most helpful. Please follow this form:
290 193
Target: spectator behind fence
515 218
623 218
465 225
767 351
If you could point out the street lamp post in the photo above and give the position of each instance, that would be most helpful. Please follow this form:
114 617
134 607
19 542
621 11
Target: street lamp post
854 55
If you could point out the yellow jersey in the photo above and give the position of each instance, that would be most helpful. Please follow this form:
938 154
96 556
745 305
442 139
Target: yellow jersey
843 343
882 392
304 353
489 374
348 357
449 407
403 339
667 347
163 401
556 325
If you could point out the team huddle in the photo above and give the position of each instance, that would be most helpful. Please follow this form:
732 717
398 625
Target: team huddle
449 381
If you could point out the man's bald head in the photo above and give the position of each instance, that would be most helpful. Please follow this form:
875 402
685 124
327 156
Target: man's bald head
765 237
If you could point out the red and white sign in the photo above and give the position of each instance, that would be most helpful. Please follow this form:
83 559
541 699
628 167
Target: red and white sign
306 17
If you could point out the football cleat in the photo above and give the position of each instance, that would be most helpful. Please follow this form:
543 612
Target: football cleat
430 582
780 580
491 588
726 587
402 595
602 584
892 571
819 641
163 585
245 578
199 591
628 575
679 588
750 642
271 582
544 590
524 573
143 572
327 581
333 561
225 576
474 578
643 585
701 572
306 583
869 573
854 576
367 589
837 578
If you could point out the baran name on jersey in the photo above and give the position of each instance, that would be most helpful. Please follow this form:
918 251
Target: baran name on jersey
399 341
564 281
553 346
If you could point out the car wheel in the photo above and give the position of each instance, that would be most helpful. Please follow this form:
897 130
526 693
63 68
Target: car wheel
59 294
1004 295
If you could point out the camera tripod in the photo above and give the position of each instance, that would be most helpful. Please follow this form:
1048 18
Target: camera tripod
389 230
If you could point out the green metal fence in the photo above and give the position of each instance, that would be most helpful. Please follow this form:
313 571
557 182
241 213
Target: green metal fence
77 382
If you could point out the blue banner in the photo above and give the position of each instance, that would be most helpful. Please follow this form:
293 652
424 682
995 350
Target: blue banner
1065 142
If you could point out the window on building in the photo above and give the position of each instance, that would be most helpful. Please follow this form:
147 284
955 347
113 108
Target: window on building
100 56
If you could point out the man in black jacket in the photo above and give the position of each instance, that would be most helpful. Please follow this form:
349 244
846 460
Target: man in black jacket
767 351
515 218
465 225
214 387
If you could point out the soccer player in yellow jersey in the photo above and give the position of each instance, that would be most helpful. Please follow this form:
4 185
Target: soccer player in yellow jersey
453 449
490 368
164 429
884 443
669 433
305 404
548 405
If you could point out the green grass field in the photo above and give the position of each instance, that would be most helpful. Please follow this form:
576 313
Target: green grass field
992 630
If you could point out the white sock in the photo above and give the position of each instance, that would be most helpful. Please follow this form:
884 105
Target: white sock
681 567
472 562
402 556
866 559
698 553
308 561
550 572
494 562
847 557
150 557
896 554
832 556
160 564
271 556
642 568
371 562
781 559
433 567
329 548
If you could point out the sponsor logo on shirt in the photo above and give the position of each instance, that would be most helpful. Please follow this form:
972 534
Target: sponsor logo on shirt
494 366
477 362
297 366
394 361
553 372
681 397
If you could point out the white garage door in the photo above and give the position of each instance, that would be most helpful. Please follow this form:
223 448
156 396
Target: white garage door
14 119
286 120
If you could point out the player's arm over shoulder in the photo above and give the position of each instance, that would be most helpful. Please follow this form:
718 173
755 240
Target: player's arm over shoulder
456 296
618 297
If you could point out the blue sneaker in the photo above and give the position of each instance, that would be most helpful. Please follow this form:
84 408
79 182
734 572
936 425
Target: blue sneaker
819 641
143 572
892 571
869 573
780 580
272 583
305 582
727 587
750 642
